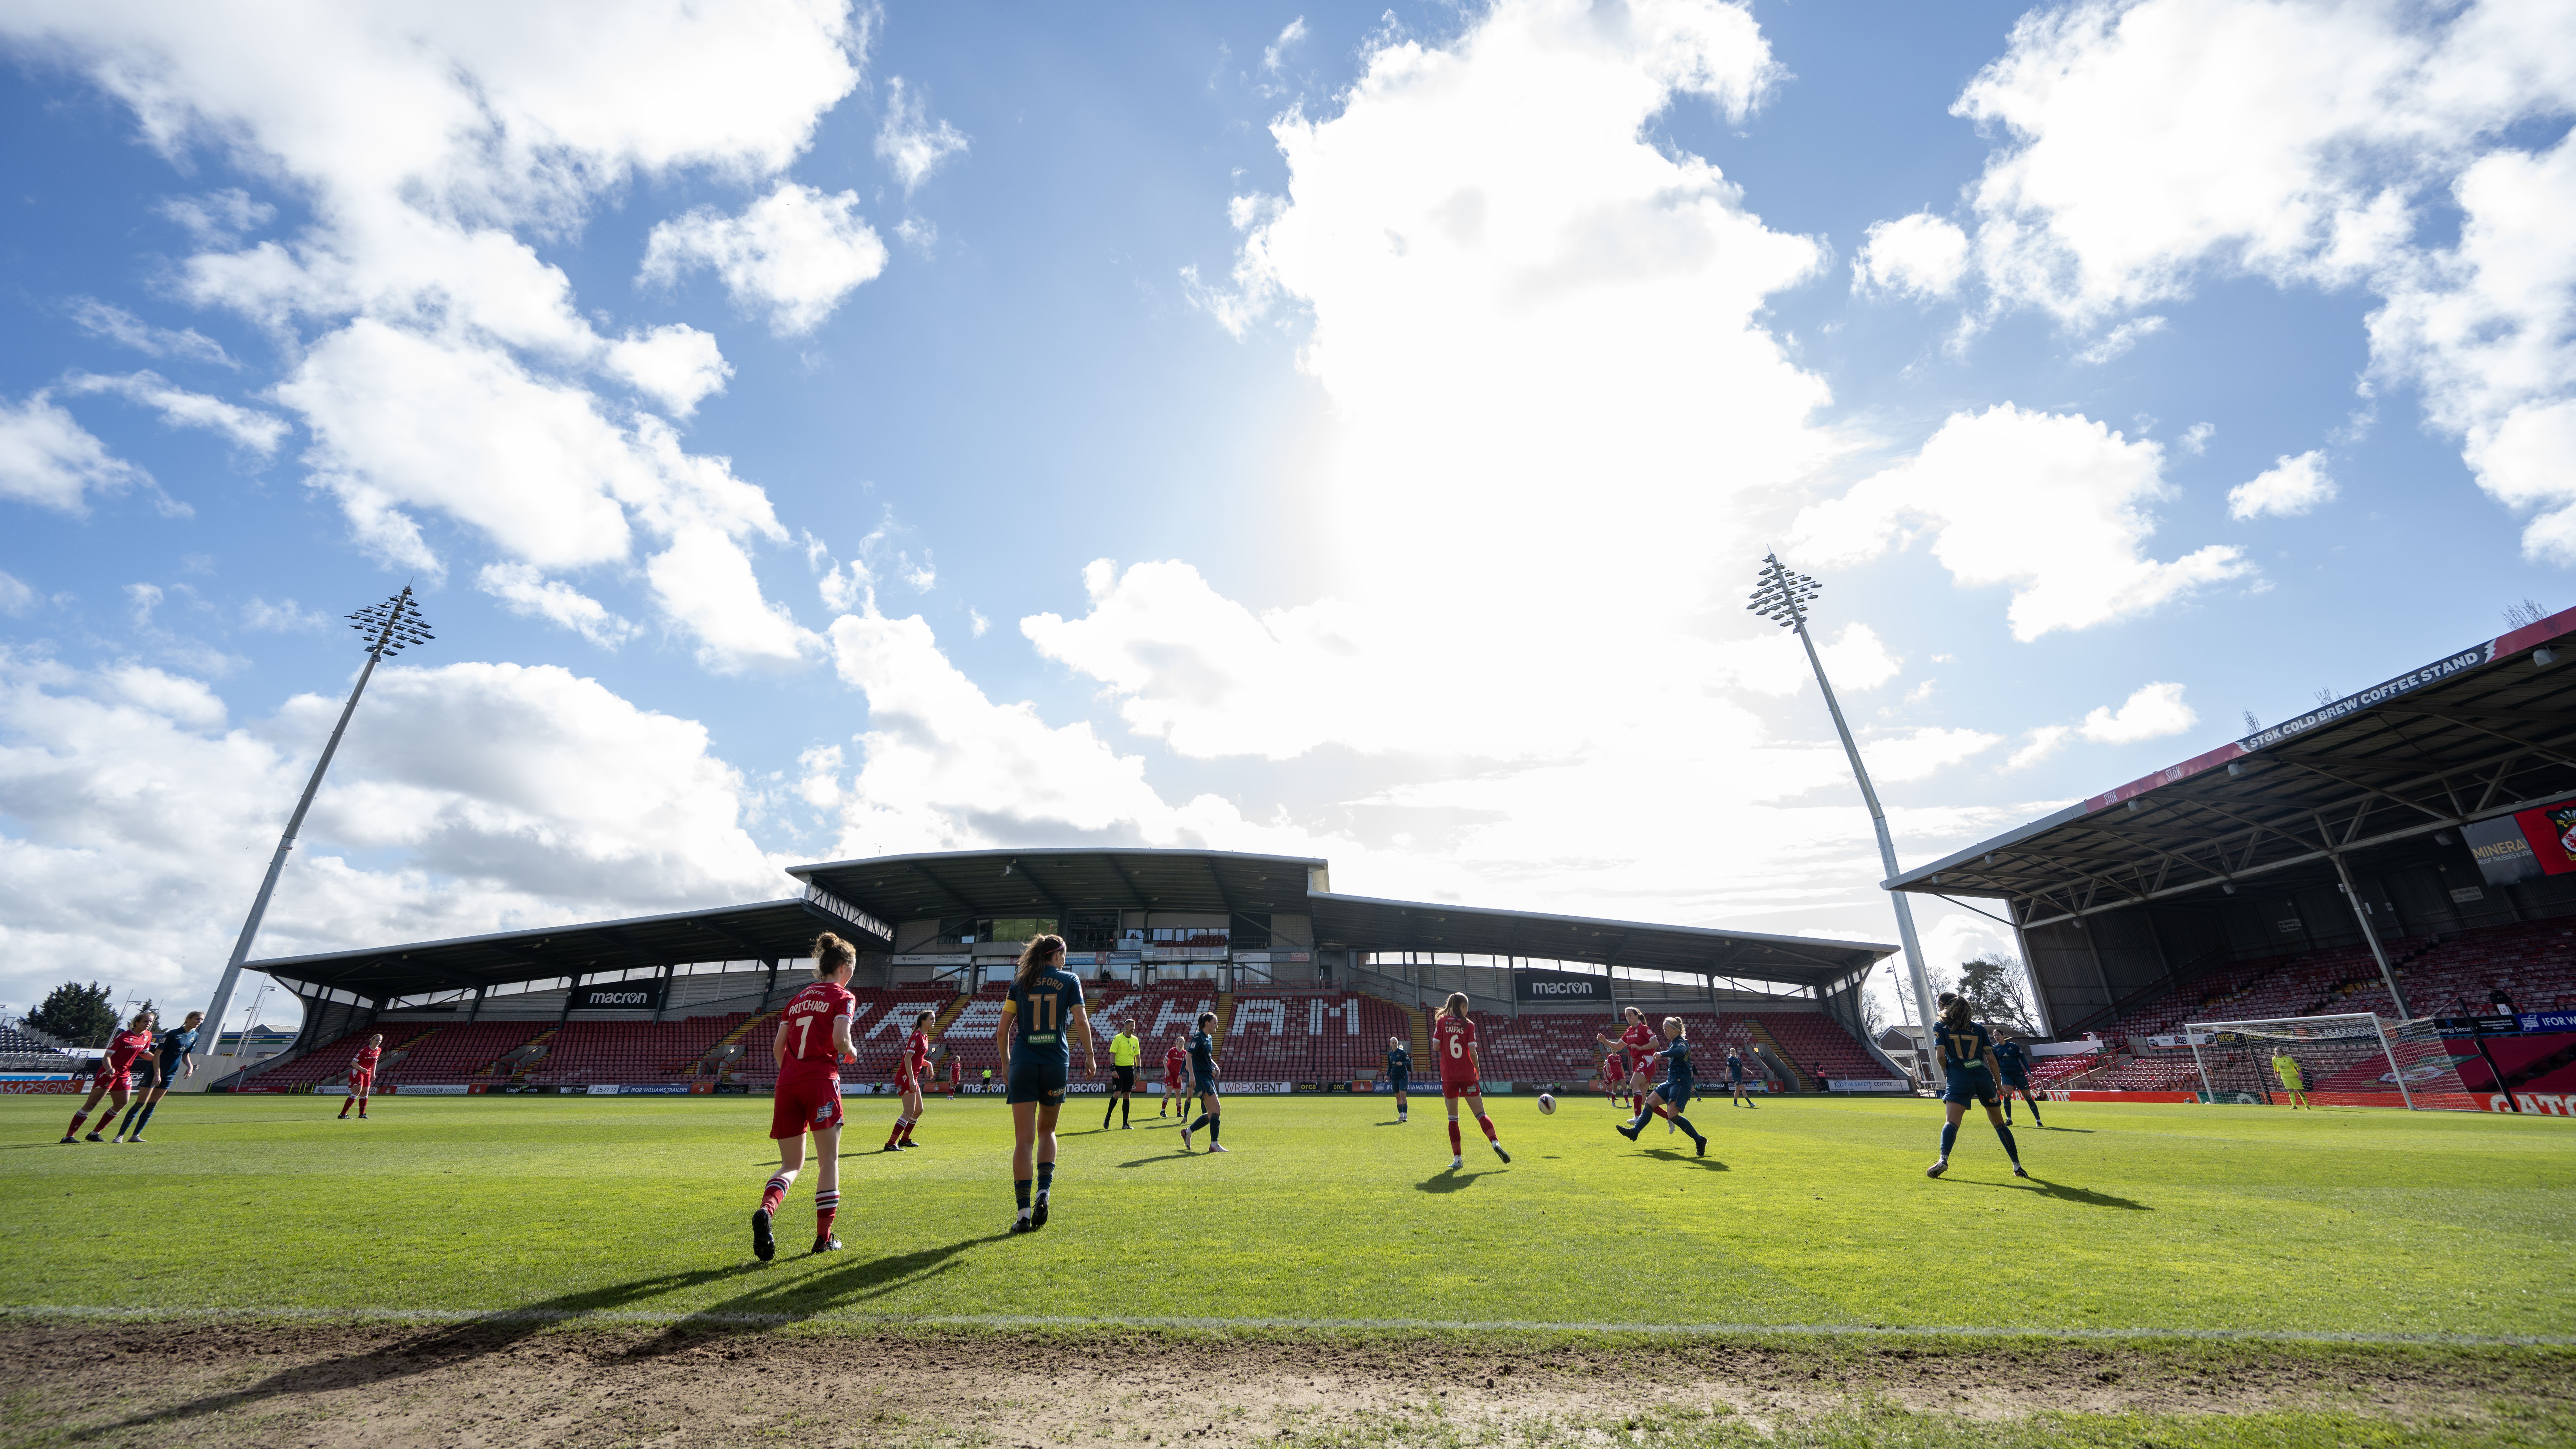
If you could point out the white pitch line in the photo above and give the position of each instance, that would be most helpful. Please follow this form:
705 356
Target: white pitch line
1435 1325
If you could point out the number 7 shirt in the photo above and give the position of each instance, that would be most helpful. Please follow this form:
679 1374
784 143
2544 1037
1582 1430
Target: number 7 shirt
808 1018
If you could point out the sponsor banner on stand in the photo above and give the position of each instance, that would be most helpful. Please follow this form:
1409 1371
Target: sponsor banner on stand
427 1089
655 1089
1864 1084
2234 1099
2534 1104
1264 1089
35 1076
733 1089
2548 1020
25 1088
2182 1039
624 996
1560 986
2079 1094
2450 1026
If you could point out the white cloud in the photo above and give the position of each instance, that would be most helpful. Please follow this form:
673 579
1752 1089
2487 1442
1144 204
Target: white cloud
2151 712
705 579
219 218
2119 340
2049 504
977 621
144 599
48 459
482 796
910 142
678 365
1289 34
796 252
2287 489
16 598
1922 254
431 337
2195 439
2151 144
531 595
117 325
249 430
283 617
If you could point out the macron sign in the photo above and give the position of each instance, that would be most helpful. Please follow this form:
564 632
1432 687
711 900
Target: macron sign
1560 986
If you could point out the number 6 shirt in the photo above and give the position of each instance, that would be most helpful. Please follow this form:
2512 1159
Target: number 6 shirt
1453 1040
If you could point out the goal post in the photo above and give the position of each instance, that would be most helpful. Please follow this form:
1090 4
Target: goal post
2350 1059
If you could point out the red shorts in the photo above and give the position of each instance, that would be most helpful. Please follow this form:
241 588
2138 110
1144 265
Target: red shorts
361 1083
121 1082
814 1102
904 1082
1462 1087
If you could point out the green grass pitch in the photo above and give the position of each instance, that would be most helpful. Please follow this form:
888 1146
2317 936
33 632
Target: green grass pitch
2139 1219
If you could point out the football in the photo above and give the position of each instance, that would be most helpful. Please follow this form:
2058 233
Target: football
1547 1103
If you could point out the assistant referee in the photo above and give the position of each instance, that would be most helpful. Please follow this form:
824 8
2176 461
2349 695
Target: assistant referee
1124 1049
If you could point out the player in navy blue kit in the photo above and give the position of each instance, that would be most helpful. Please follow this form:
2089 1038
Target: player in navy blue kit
1399 1071
1045 1003
1675 1092
2014 1064
176 1051
1203 1073
1735 1077
1968 1060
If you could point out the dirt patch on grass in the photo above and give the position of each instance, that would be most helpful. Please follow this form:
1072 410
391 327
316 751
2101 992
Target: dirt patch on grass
511 1384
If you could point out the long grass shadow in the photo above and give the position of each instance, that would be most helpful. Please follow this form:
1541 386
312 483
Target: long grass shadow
1449 1181
1173 1156
456 1343
844 1283
1671 1155
2063 1192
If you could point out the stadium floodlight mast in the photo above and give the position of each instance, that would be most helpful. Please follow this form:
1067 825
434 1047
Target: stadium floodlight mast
388 628
1781 596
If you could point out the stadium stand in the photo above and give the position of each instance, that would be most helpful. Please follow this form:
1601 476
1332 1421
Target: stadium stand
456 1053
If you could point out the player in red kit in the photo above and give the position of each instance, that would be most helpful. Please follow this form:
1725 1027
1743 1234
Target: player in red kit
362 1076
1453 1041
116 1073
1614 1077
1641 1044
1176 1078
813 1040
910 1071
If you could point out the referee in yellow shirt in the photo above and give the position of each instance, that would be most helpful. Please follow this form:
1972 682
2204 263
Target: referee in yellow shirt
1124 1049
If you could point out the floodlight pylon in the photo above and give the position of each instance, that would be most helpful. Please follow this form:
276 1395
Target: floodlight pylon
388 628
1782 595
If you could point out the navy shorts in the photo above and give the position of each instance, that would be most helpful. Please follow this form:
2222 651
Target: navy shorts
1969 1087
1402 1082
1038 1082
1201 1084
2016 1084
1676 1095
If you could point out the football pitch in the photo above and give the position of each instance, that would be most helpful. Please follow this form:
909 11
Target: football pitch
2347 1236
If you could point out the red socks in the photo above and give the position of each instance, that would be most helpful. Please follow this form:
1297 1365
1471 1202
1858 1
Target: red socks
908 1124
1488 1124
774 1194
1453 1136
896 1135
825 1205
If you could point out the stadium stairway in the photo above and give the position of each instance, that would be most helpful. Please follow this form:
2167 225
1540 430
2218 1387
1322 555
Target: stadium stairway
710 1060
1762 1037
517 1069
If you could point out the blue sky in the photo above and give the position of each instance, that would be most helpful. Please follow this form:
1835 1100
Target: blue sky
1345 431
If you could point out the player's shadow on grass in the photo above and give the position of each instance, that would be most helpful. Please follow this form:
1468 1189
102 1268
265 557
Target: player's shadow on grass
1674 1155
1177 1155
2068 1192
844 1283
415 1354
1449 1180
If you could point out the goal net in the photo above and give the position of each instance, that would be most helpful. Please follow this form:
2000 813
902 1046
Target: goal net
2359 1060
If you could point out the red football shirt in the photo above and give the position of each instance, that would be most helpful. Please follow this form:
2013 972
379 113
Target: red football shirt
1613 1068
1176 1063
808 1018
124 1049
1453 1041
917 1047
366 1059
1641 1041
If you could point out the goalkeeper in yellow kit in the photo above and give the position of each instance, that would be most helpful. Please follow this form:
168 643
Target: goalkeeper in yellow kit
2286 1067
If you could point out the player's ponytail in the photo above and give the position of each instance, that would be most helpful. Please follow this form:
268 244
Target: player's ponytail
1954 1010
1677 1026
1455 1006
831 954
1035 956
